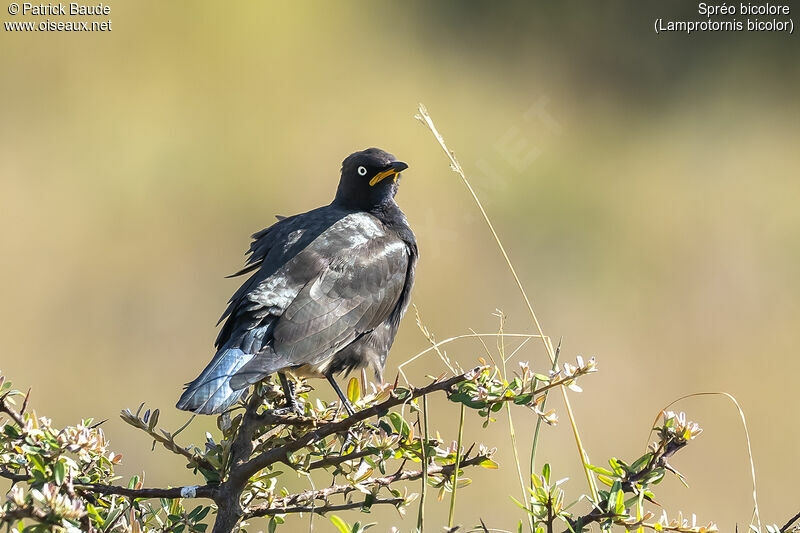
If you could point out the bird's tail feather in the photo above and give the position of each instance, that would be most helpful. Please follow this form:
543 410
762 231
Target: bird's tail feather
258 368
211 392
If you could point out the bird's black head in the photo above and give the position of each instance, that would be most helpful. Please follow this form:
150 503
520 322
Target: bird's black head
369 179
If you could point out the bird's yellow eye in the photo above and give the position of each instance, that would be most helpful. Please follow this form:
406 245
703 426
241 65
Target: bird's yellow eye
362 171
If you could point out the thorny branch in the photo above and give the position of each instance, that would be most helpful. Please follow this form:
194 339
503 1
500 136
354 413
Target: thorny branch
385 481
269 511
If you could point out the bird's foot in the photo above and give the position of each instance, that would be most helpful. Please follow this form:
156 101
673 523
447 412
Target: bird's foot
348 442
293 408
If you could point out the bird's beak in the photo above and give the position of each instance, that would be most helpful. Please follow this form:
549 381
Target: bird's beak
392 171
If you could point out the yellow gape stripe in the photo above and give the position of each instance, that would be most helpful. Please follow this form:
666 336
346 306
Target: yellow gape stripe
381 175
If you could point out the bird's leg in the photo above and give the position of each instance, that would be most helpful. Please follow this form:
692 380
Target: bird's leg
348 441
288 393
345 402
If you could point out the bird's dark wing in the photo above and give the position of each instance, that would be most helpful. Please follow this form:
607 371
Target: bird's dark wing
356 289
351 296
273 255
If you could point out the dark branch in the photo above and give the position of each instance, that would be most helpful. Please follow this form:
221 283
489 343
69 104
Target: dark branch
791 521
13 476
23 512
322 509
228 497
202 491
403 475
14 415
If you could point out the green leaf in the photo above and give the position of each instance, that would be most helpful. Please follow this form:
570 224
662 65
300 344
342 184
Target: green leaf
521 506
523 399
400 425
59 472
613 496
153 419
196 511
368 501
38 464
640 462
466 399
616 466
546 473
340 524
113 514
600 470
620 503
401 393
202 514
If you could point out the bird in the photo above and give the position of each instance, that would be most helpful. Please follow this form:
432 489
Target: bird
326 292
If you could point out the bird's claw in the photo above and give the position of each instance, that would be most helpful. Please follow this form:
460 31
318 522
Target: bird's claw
348 441
288 410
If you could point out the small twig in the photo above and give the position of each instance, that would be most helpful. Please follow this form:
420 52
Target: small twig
451 514
166 440
791 521
7 409
424 476
438 344
25 401
535 443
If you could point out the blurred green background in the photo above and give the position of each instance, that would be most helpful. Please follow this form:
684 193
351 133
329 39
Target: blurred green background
645 185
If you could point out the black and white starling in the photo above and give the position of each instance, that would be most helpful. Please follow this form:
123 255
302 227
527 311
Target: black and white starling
326 295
